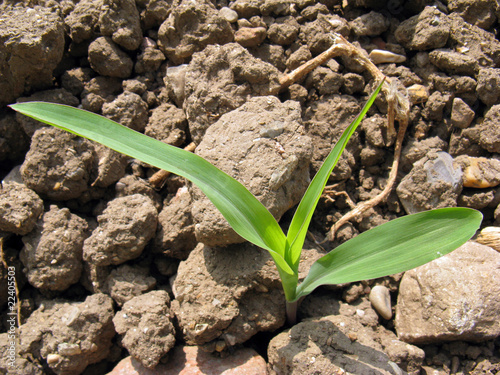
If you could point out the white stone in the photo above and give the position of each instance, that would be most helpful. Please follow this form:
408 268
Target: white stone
380 298
379 56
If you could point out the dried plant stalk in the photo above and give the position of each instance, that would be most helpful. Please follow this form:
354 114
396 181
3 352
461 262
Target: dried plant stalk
158 178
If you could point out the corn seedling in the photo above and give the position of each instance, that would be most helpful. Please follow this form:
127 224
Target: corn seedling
393 247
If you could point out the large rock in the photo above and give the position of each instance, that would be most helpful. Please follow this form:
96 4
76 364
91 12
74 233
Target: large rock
31 46
337 344
190 27
125 227
119 19
224 296
83 19
59 164
489 131
68 336
452 298
263 145
20 208
145 323
428 30
434 182
220 79
229 293
52 254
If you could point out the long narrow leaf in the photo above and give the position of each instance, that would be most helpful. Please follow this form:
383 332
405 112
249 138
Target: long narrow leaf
248 217
300 222
393 247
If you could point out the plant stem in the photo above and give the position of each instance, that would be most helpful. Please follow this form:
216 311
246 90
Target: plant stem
291 312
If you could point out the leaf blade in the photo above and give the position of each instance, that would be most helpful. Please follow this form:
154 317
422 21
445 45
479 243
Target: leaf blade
394 247
244 212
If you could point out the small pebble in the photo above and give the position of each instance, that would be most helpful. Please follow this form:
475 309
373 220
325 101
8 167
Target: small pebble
418 94
479 172
53 358
461 114
490 236
379 56
250 36
228 14
380 299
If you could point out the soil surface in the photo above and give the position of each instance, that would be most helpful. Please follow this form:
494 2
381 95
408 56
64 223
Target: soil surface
113 263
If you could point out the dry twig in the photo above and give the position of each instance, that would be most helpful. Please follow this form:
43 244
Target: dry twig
158 178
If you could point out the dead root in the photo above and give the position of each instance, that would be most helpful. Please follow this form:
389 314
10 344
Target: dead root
157 180
398 109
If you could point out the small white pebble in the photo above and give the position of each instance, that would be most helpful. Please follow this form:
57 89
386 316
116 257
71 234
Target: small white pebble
378 56
380 299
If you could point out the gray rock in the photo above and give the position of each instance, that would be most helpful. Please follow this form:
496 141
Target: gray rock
428 30
283 31
99 90
168 124
149 60
434 182
453 62
461 114
126 282
340 344
20 208
480 45
32 47
52 253
227 295
480 13
488 86
452 298
145 324
263 145
69 336
125 227
107 59
489 131
415 150
83 19
220 293
220 79
129 110
324 80
369 24
154 12
191 27
110 166
58 164
175 235
119 19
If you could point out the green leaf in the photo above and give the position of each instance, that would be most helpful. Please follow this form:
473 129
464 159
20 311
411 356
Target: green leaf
300 222
393 247
246 215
